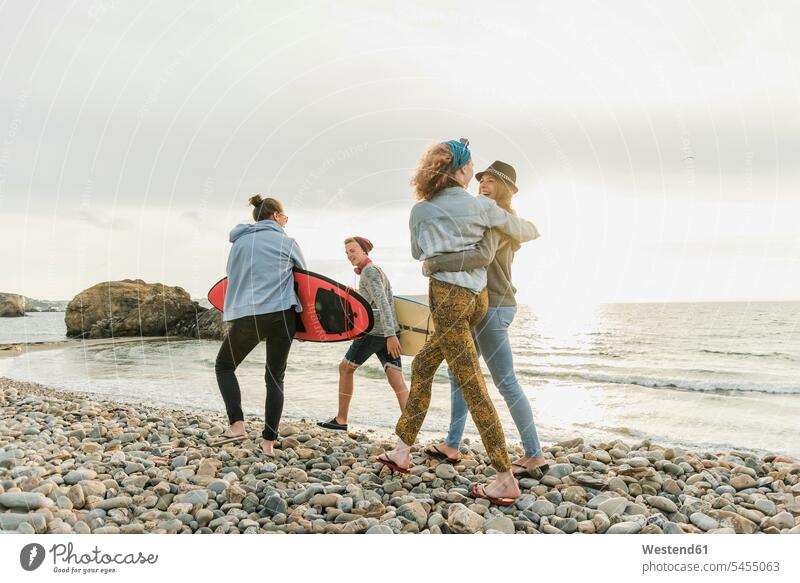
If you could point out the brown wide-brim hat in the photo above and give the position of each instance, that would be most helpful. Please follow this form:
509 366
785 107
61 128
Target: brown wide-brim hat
504 172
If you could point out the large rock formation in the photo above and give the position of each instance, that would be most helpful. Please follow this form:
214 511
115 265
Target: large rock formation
130 307
11 305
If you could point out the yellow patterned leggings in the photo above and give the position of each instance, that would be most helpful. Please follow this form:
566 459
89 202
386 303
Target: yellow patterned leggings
455 311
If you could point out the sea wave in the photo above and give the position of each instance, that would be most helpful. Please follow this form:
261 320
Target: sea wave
597 352
660 382
781 355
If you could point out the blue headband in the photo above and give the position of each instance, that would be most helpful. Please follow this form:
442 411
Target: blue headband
460 151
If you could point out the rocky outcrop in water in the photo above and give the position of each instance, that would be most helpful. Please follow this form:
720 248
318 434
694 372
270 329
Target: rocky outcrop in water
130 307
11 305
34 305
207 325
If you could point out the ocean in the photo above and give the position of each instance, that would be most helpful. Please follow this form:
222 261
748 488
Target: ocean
707 375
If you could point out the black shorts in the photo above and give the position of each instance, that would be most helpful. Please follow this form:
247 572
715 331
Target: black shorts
362 348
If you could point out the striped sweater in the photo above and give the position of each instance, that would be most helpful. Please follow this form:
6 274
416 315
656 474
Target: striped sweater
376 289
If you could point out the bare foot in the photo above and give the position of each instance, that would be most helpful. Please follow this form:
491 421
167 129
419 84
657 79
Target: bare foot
400 455
505 486
235 430
268 447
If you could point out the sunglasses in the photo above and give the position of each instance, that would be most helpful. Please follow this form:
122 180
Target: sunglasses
464 141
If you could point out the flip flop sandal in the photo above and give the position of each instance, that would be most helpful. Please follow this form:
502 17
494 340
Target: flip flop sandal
522 473
226 440
530 471
391 465
434 452
479 492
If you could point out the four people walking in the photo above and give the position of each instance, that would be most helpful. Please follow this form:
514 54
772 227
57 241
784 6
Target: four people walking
465 242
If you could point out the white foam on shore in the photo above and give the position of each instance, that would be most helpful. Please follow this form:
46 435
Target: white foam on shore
679 380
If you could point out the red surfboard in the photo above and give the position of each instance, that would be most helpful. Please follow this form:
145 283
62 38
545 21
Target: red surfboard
332 312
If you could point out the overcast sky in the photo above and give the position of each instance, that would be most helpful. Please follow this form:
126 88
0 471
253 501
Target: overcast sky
657 144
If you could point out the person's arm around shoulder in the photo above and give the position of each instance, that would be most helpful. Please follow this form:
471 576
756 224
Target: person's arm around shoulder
518 229
481 256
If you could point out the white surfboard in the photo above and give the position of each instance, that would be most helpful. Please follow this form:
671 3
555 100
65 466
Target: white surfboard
416 324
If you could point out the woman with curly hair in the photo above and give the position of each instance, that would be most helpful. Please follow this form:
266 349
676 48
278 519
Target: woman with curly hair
448 219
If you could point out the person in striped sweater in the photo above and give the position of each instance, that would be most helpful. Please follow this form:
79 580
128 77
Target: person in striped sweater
382 340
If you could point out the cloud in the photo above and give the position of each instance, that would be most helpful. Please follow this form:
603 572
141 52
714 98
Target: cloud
194 217
102 220
306 102
628 110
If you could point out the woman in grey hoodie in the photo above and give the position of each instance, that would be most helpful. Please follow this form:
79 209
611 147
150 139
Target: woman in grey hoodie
260 304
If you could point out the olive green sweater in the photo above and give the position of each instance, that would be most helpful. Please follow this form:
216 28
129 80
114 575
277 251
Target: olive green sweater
495 252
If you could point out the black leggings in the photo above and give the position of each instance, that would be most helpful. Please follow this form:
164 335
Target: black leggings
244 334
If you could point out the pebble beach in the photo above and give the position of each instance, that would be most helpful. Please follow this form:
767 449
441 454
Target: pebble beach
72 463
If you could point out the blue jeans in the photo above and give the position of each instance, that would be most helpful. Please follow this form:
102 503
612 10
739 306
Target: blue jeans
491 340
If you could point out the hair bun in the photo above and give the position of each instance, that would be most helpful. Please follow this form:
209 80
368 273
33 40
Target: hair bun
255 200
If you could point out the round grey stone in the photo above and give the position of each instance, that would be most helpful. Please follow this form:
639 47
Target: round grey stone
274 504
445 471
613 506
501 524
624 528
543 508
560 470
662 503
75 476
703 521
194 497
